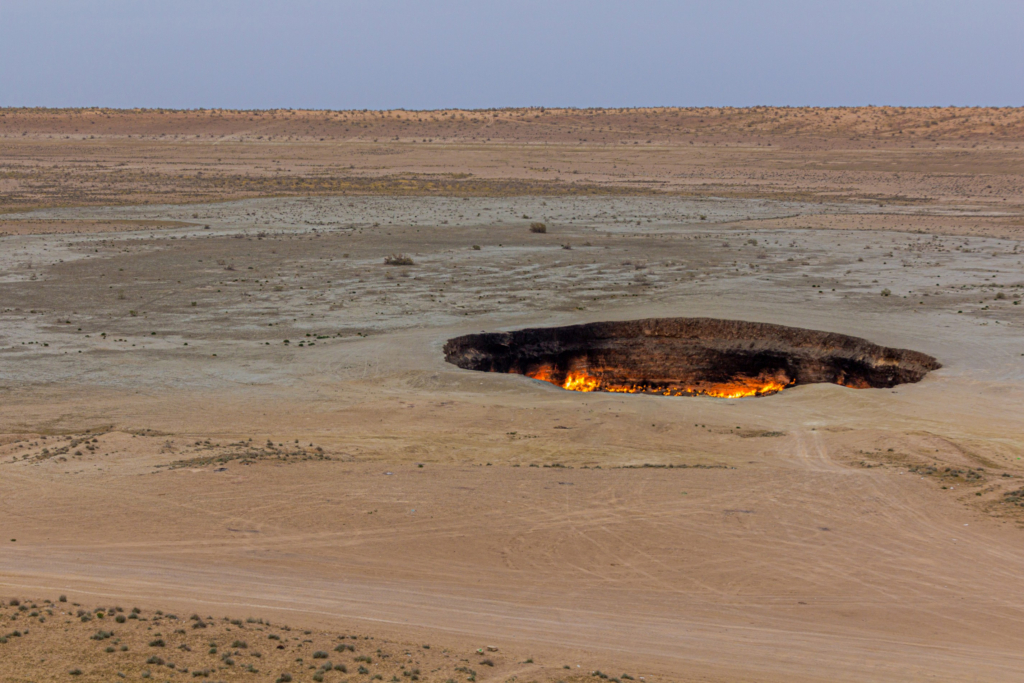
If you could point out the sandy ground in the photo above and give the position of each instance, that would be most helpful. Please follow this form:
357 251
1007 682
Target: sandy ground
61 639
964 158
161 445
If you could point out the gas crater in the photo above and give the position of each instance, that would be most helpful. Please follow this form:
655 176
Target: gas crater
688 357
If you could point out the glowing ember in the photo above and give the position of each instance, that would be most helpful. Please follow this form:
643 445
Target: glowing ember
739 387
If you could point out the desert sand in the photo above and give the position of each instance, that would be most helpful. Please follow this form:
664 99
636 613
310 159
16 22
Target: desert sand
217 398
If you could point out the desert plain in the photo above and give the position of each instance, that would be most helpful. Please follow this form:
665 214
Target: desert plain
220 406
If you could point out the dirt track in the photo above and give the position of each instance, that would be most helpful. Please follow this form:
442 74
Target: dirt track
797 537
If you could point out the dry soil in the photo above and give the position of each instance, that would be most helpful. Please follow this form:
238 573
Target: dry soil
236 409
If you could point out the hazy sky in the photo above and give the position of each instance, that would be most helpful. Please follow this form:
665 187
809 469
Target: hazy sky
480 53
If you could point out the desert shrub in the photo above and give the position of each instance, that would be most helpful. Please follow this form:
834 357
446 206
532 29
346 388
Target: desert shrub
159 642
62 598
75 672
363 670
486 662
284 678
886 292
538 227
120 618
240 644
319 654
398 260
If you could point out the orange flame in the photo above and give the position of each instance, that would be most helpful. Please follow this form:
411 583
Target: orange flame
740 387
577 381
744 388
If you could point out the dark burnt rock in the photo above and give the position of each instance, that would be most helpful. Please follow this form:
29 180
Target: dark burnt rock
688 356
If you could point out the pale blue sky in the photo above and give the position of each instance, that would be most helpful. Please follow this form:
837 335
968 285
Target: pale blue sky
460 53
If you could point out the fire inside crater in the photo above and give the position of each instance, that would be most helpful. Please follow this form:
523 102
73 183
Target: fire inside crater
688 357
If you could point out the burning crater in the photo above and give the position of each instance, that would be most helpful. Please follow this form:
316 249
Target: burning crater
688 357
